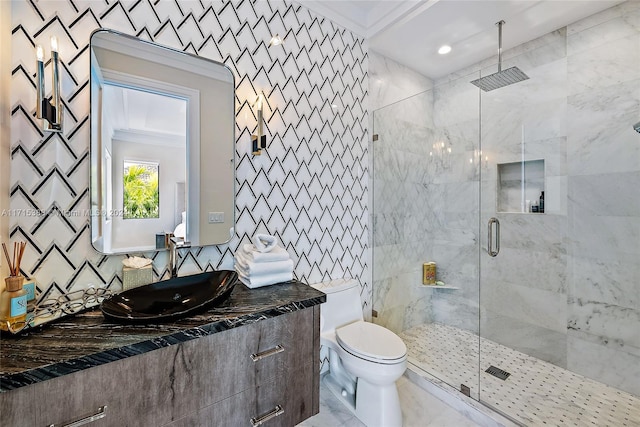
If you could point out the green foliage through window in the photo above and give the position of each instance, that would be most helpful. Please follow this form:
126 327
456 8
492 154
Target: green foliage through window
141 194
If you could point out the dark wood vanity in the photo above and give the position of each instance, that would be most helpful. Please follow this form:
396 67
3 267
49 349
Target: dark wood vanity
244 362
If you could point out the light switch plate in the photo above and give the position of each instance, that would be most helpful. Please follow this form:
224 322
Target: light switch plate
216 217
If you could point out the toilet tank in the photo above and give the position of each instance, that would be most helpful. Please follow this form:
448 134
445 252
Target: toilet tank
343 304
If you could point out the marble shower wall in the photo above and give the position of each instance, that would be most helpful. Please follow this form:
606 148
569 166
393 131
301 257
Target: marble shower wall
603 203
564 287
398 196
310 188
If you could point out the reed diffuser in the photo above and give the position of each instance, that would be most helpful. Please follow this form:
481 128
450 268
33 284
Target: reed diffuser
13 300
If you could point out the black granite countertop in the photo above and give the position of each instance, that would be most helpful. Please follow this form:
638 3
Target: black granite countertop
85 340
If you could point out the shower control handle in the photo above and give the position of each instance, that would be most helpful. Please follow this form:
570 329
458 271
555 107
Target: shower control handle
490 237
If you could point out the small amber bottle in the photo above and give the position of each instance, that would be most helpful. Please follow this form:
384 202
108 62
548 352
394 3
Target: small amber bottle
13 304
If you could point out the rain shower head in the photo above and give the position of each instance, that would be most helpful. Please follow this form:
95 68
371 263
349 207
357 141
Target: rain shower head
501 78
636 127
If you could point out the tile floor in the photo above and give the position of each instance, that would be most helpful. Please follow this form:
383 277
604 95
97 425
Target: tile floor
536 394
419 409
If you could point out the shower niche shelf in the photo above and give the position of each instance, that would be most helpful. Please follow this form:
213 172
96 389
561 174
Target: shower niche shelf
439 286
518 183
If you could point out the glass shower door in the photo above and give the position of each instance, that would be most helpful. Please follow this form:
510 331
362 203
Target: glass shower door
425 209
523 224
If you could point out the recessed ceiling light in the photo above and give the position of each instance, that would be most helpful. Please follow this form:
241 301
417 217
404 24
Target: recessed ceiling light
444 49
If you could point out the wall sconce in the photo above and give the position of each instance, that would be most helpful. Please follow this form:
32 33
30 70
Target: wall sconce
50 110
259 140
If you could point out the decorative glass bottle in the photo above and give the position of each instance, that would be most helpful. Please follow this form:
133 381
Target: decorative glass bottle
13 304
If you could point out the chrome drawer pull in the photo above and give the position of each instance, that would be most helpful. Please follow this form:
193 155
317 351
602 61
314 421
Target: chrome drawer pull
102 412
275 350
255 422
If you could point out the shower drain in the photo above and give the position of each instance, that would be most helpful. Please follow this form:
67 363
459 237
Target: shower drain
498 373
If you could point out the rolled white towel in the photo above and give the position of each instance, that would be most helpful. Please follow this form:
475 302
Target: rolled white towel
252 269
265 280
264 242
276 254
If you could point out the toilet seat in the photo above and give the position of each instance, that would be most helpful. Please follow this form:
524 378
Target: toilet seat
371 342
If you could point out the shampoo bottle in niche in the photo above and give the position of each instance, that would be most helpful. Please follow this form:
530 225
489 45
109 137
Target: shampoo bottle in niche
541 208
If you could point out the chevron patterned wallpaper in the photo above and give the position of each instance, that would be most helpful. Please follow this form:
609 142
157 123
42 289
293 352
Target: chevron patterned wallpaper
309 188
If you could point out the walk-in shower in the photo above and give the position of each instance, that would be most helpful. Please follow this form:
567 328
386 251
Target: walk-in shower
554 159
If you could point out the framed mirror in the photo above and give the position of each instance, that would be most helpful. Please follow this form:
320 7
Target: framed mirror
162 146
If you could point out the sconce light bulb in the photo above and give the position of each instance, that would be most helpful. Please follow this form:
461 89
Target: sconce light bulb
39 53
259 102
442 144
54 44
276 40
449 149
431 153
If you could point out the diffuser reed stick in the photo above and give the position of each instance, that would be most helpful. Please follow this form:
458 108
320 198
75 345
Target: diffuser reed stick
14 263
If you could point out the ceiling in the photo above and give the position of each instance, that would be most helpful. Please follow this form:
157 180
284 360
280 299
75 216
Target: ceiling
410 32
145 117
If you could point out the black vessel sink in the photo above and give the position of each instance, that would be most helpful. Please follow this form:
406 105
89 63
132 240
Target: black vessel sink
170 299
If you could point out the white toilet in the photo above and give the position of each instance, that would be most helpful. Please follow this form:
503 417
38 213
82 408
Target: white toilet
365 359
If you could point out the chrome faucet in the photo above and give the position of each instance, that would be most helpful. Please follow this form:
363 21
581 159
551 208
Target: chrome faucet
174 245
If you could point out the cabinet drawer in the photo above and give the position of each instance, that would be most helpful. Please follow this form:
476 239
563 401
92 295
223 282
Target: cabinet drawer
280 402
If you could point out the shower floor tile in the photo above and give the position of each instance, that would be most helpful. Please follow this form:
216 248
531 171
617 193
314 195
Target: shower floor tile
536 393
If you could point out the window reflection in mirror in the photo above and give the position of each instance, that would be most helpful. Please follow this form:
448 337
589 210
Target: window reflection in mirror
141 198
143 131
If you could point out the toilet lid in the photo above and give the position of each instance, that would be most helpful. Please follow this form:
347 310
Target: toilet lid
371 341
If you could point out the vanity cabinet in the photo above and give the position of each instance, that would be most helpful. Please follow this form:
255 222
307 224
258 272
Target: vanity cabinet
223 379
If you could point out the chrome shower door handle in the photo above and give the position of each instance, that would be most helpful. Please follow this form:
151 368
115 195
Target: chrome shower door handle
490 237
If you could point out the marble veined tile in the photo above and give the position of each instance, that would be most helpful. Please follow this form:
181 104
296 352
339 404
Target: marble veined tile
612 194
600 136
537 307
612 281
525 337
605 65
612 24
618 324
455 102
546 82
605 363
537 269
604 237
391 82
533 232
603 16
